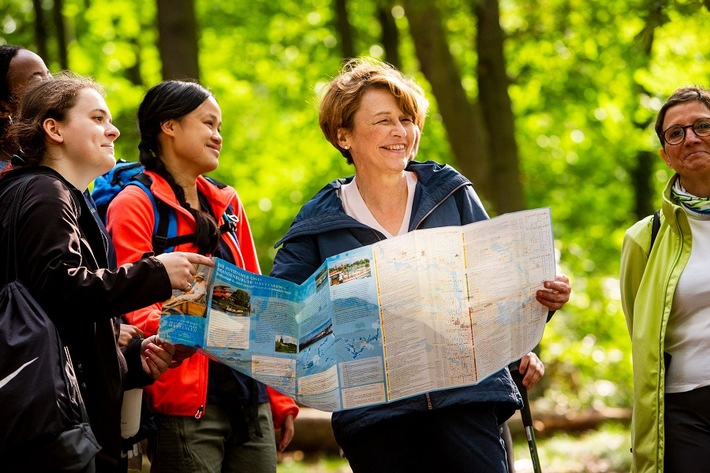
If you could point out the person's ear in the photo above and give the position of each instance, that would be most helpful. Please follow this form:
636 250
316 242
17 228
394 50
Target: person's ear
168 127
343 138
663 154
53 130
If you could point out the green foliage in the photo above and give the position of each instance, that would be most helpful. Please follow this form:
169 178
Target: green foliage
584 89
605 450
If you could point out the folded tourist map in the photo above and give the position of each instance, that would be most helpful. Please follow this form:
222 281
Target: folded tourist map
430 310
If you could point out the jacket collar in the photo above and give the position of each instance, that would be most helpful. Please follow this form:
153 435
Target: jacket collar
91 226
671 210
18 172
324 212
219 196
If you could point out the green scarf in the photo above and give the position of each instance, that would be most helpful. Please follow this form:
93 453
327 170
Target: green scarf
699 205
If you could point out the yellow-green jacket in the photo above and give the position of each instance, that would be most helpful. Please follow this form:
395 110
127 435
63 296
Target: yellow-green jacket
648 283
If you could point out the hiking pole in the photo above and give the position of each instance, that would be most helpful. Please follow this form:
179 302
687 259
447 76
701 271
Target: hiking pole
526 416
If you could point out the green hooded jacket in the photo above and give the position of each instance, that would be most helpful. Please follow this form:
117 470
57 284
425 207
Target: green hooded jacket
648 283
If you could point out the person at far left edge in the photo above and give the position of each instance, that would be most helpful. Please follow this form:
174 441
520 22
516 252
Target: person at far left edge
66 135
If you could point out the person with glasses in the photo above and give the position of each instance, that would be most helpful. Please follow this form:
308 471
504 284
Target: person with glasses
665 292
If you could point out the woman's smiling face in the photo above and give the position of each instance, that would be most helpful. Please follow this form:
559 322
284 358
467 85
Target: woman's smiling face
383 138
691 157
197 139
89 132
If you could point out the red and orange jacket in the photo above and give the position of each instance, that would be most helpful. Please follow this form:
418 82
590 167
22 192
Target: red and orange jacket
131 218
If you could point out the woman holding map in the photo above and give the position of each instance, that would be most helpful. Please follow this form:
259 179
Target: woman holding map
374 116
61 254
209 417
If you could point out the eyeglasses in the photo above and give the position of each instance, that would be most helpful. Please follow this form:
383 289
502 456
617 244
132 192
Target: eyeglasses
674 135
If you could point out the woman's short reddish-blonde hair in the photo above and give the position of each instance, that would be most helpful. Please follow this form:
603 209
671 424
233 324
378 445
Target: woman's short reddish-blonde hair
342 96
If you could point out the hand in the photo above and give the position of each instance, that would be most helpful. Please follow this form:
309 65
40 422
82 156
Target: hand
128 332
182 267
287 431
156 355
182 352
556 293
532 369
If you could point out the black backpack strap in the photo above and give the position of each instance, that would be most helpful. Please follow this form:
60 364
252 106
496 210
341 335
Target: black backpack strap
655 226
20 185
144 179
230 221
160 239
230 218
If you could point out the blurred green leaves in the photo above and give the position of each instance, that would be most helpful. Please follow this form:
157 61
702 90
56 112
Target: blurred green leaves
585 90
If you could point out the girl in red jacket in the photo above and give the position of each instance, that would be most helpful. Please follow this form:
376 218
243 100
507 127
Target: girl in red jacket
210 418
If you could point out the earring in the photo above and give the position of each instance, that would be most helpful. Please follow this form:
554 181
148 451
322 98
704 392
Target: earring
347 148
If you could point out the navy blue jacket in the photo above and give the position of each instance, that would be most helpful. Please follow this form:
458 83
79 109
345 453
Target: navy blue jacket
443 197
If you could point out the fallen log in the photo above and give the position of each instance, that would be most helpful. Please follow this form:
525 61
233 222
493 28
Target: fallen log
314 433
546 423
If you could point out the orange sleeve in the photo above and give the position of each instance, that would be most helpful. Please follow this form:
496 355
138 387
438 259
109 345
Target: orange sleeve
130 219
281 407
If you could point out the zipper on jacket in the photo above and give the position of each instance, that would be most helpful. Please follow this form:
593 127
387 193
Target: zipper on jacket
660 398
377 235
429 404
200 412
438 204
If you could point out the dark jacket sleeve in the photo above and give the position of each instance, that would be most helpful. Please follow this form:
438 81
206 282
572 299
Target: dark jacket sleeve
136 377
297 259
470 206
57 258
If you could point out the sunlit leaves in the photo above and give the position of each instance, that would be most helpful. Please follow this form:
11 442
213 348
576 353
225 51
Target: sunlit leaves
584 91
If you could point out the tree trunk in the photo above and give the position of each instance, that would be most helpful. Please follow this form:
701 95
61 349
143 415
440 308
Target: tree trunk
390 33
507 191
60 30
40 28
641 170
462 120
177 31
642 180
133 73
342 25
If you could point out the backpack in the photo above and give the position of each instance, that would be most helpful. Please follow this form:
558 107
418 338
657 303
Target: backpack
165 237
44 422
655 226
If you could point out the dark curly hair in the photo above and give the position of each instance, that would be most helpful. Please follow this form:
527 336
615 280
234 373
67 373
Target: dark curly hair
7 54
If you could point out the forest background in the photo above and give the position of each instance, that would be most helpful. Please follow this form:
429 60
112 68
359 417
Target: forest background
538 102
